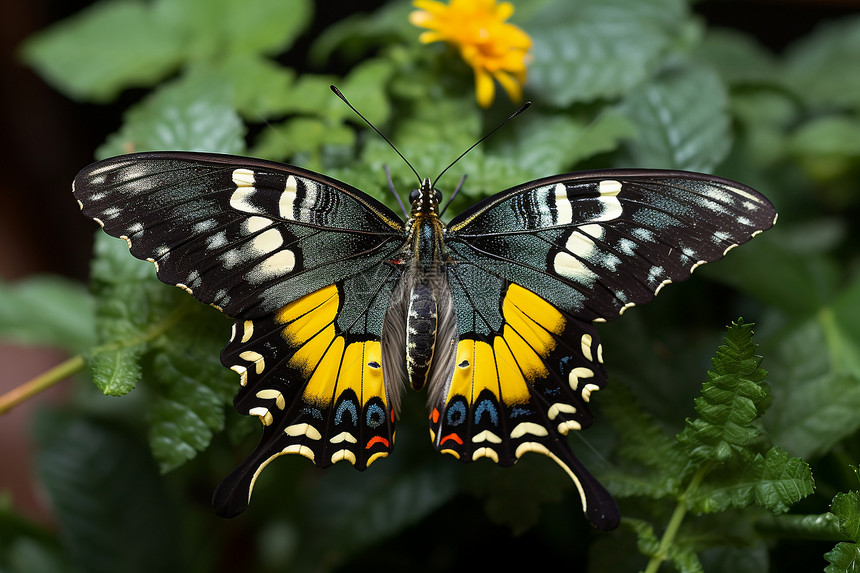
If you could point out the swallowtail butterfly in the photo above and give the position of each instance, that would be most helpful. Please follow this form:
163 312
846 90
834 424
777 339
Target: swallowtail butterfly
338 302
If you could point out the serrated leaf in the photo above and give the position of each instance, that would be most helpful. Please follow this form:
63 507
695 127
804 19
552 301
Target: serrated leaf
685 560
783 481
116 372
823 68
647 541
107 497
49 311
844 558
191 387
774 481
846 507
682 120
732 399
587 50
190 114
104 49
124 288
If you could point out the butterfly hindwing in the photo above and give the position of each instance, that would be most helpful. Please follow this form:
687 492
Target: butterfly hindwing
245 235
312 372
523 375
596 243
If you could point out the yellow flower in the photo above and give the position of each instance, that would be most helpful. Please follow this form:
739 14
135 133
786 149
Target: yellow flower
493 48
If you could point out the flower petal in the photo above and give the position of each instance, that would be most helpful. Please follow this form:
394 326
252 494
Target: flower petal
485 90
510 85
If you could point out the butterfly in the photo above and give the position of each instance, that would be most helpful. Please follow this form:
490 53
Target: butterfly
339 303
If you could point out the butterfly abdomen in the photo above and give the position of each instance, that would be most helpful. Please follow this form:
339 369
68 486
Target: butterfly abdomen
421 324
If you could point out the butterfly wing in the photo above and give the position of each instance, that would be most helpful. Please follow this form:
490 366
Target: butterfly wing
564 252
300 261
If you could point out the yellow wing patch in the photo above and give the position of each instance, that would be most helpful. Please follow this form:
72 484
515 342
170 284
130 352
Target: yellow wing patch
323 357
516 356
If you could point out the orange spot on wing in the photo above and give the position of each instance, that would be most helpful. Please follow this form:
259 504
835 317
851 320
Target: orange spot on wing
434 416
454 437
376 440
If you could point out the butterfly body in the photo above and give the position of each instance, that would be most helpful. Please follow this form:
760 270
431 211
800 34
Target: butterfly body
338 304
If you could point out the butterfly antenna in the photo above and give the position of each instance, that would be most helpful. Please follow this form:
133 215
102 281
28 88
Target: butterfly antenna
338 93
454 194
394 191
524 107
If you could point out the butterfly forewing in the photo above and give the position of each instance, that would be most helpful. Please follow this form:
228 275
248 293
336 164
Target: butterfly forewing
246 235
596 243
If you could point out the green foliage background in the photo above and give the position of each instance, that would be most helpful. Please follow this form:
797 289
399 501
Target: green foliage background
639 83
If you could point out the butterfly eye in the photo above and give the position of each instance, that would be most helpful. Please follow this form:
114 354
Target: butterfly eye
438 195
414 195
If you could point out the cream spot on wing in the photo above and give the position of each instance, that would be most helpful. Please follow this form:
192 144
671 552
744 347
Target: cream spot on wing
286 204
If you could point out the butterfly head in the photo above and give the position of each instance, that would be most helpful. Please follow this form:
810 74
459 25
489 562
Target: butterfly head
425 200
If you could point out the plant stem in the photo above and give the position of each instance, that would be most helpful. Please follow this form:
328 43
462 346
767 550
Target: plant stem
41 382
76 363
675 521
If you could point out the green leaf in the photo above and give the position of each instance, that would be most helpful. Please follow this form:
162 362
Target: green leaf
829 136
774 481
737 57
260 87
47 310
781 480
304 139
106 495
213 28
823 68
643 441
191 386
818 364
797 280
846 507
732 399
685 559
583 51
186 115
682 120
103 49
765 117
546 144
126 294
844 558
